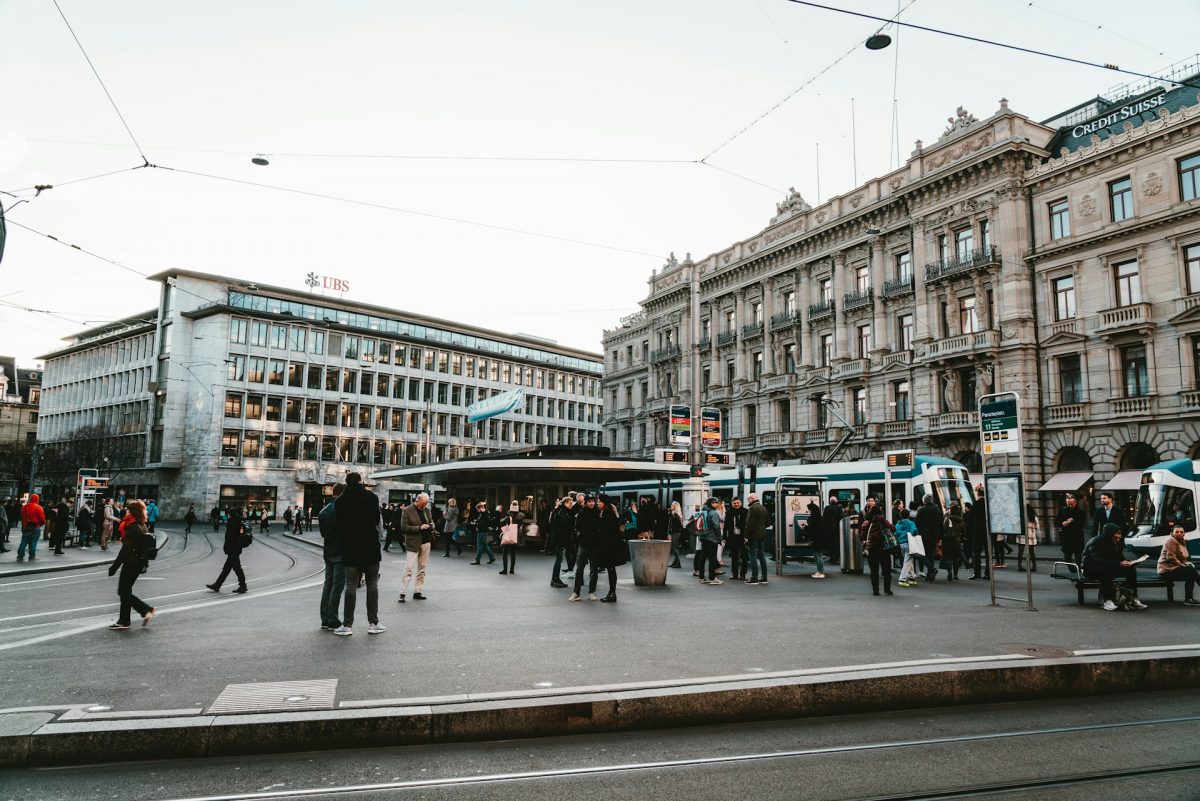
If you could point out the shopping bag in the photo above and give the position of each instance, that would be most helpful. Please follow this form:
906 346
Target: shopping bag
916 546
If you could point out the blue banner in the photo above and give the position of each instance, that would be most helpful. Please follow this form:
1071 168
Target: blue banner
496 405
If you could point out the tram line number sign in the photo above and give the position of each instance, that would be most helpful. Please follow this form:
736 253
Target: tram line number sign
1000 425
710 428
681 426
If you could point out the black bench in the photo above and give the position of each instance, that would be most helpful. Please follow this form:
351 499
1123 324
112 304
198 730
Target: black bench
1072 573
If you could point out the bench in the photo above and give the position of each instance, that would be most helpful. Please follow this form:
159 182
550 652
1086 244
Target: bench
1071 572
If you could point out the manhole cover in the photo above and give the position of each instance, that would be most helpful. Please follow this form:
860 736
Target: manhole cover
275 696
1030 649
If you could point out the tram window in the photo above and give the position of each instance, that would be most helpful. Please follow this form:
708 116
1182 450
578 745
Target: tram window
877 491
1162 507
850 499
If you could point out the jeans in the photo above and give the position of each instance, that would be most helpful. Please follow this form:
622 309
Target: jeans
419 558
558 560
450 540
482 544
331 592
85 536
509 554
372 573
1188 574
30 536
757 557
129 574
1107 577
232 562
881 562
583 559
737 557
709 556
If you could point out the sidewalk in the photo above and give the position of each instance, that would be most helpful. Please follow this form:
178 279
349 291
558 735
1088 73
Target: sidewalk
72 558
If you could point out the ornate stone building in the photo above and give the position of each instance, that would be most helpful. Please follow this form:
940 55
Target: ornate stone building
892 308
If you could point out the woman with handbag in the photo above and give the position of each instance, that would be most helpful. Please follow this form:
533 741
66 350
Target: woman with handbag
237 537
510 526
450 527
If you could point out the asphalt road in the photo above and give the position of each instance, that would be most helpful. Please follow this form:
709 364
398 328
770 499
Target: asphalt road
1124 747
481 631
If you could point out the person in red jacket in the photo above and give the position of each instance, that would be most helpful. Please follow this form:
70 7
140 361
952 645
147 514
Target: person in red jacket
33 519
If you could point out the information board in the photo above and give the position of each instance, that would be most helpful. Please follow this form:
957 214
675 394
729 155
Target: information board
681 426
1000 425
710 428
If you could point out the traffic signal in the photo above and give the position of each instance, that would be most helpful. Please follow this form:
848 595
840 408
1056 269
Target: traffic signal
697 472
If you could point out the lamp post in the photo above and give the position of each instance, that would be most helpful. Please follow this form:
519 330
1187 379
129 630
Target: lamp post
694 488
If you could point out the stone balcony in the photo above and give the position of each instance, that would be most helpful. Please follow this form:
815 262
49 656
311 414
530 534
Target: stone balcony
963 343
1132 407
623 415
1190 400
718 394
784 320
898 288
752 331
1067 413
1064 327
896 428
953 421
963 264
657 405
858 299
726 338
900 357
817 374
1124 318
782 439
775 383
820 310
662 354
705 345
854 367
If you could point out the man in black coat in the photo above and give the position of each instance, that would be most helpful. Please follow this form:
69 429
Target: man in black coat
831 526
929 527
233 554
977 536
1071 529
1109 512
358 528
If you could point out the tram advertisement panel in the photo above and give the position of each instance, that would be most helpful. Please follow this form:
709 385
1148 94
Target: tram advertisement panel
793 499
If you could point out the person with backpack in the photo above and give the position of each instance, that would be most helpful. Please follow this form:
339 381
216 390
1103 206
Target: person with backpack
1104 560
138 547
954 529
876 541
906 528
237 537
151 515
710 538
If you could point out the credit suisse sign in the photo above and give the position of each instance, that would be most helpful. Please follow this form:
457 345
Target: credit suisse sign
1120 115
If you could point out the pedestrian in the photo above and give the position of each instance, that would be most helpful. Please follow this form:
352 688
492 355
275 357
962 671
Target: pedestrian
587 534
906 528
711 540
484 523
1106 513
237 538
298 520
335 571
417 526
695 529
558 530
817 537
676 532
4 526
450 528
189 520
756 536
612 546
287 518
264 521
977 534
62 526
1174 565
929 528
359 525
136 546
954 530
110 520
33 520
1104 560
875 542
735 539
1032 532
1071 526
510 528
151 515
308 518
214 517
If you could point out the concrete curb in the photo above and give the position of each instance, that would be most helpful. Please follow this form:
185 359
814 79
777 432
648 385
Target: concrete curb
31 739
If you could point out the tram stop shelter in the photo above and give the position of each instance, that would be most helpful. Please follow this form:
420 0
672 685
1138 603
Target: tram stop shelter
532 475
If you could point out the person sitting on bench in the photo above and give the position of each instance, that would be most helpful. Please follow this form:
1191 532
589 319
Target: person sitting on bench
1104 560
1173 565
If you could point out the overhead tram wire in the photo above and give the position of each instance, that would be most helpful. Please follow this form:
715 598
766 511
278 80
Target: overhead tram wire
993 43
42 187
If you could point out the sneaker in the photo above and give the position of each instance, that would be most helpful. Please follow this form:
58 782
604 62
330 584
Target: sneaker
1190 602
751 581
418 596
343 631
119 627
376 628
818 575
703 581
762 581
240 590
592 596
1137 604
558 585
716 581
146 618
574 597
1108 606
400 600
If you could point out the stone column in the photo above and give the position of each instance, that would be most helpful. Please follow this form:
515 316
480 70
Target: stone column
841 338
981 305
769 366
922 315
880 339
714 325
740 320
804 293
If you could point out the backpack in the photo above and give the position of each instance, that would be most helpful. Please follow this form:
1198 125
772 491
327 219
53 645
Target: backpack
245 538
151 550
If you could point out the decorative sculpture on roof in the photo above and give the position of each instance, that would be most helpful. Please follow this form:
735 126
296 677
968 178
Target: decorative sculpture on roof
794 203
961 120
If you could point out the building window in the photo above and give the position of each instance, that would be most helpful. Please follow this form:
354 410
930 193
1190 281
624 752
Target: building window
1070 379
316 342
707 379
789 358
789 302
1064 298
730 320
295 375
904 270
279 337
826 290
901 392
864 341
237 331
862 279
1196 359
1189 177
1060 219
271 446
233 404
251 444
826 350
758 365
236 496
1128 284
277 369
968 315
756 311
1191 259
274 409
1133 371
235 368
231 443
985 234
730 373
352 347
254 407
705 330
822 413
860 406
751 418
906 332
1120 196
964 242
258 334
943 246
783 413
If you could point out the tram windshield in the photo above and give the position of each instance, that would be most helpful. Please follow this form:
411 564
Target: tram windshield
1161 507
952 485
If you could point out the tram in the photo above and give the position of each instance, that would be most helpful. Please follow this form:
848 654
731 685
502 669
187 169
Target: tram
1166 498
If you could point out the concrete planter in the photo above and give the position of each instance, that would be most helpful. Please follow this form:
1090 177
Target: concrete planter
649 561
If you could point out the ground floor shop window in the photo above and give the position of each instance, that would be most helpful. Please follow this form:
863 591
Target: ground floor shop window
242 496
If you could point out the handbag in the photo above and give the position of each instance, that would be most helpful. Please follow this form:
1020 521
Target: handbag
508 534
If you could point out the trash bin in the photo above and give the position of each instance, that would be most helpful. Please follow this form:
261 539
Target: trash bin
649 561
851 548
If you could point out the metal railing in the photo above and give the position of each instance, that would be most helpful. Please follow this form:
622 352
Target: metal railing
820 310
966 262
899 287
858 299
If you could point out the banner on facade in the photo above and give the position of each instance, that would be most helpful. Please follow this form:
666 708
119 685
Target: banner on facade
496 405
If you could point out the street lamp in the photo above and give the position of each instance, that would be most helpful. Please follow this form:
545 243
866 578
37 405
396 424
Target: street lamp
878 40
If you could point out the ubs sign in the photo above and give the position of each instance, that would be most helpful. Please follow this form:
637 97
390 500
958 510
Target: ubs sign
1120 115
327 282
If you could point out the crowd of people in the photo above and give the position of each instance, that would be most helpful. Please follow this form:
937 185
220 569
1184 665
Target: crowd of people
42 521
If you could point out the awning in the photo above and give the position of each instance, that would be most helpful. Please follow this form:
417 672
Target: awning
1065 482
1125 480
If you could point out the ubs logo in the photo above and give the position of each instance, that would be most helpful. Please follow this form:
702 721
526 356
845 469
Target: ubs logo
326 282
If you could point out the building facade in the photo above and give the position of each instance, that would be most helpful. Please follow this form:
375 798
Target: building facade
234 393
888 311
20 396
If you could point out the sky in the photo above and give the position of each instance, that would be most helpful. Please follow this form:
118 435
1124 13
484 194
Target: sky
521 165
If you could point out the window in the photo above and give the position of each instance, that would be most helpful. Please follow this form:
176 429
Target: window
251 444
330 417
758 365
1191 259
385 352
1196 359
864 341
312 412
902 394
964 242
904 270
730 373
1060 219
429 358
274 409
860 406
1070 379
1189 177
316 342
705 330
822 414
349 381
382 382
943 246
368 350
906 332
258 369
707 375
1120 196
968 315
332 376
789 302
364 416
366 383
231 442
235 368
277 369
296 375
751 418
233 404
862 279
1129 285
826 350
414 359
1064 298
1133 371
335 345
237 331
730 320
826 289
443 361
985 234
756 313
783 415
398 387
279 337
789 358
258 333
254 407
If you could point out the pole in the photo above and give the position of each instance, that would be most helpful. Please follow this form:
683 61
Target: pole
32 469
853 142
